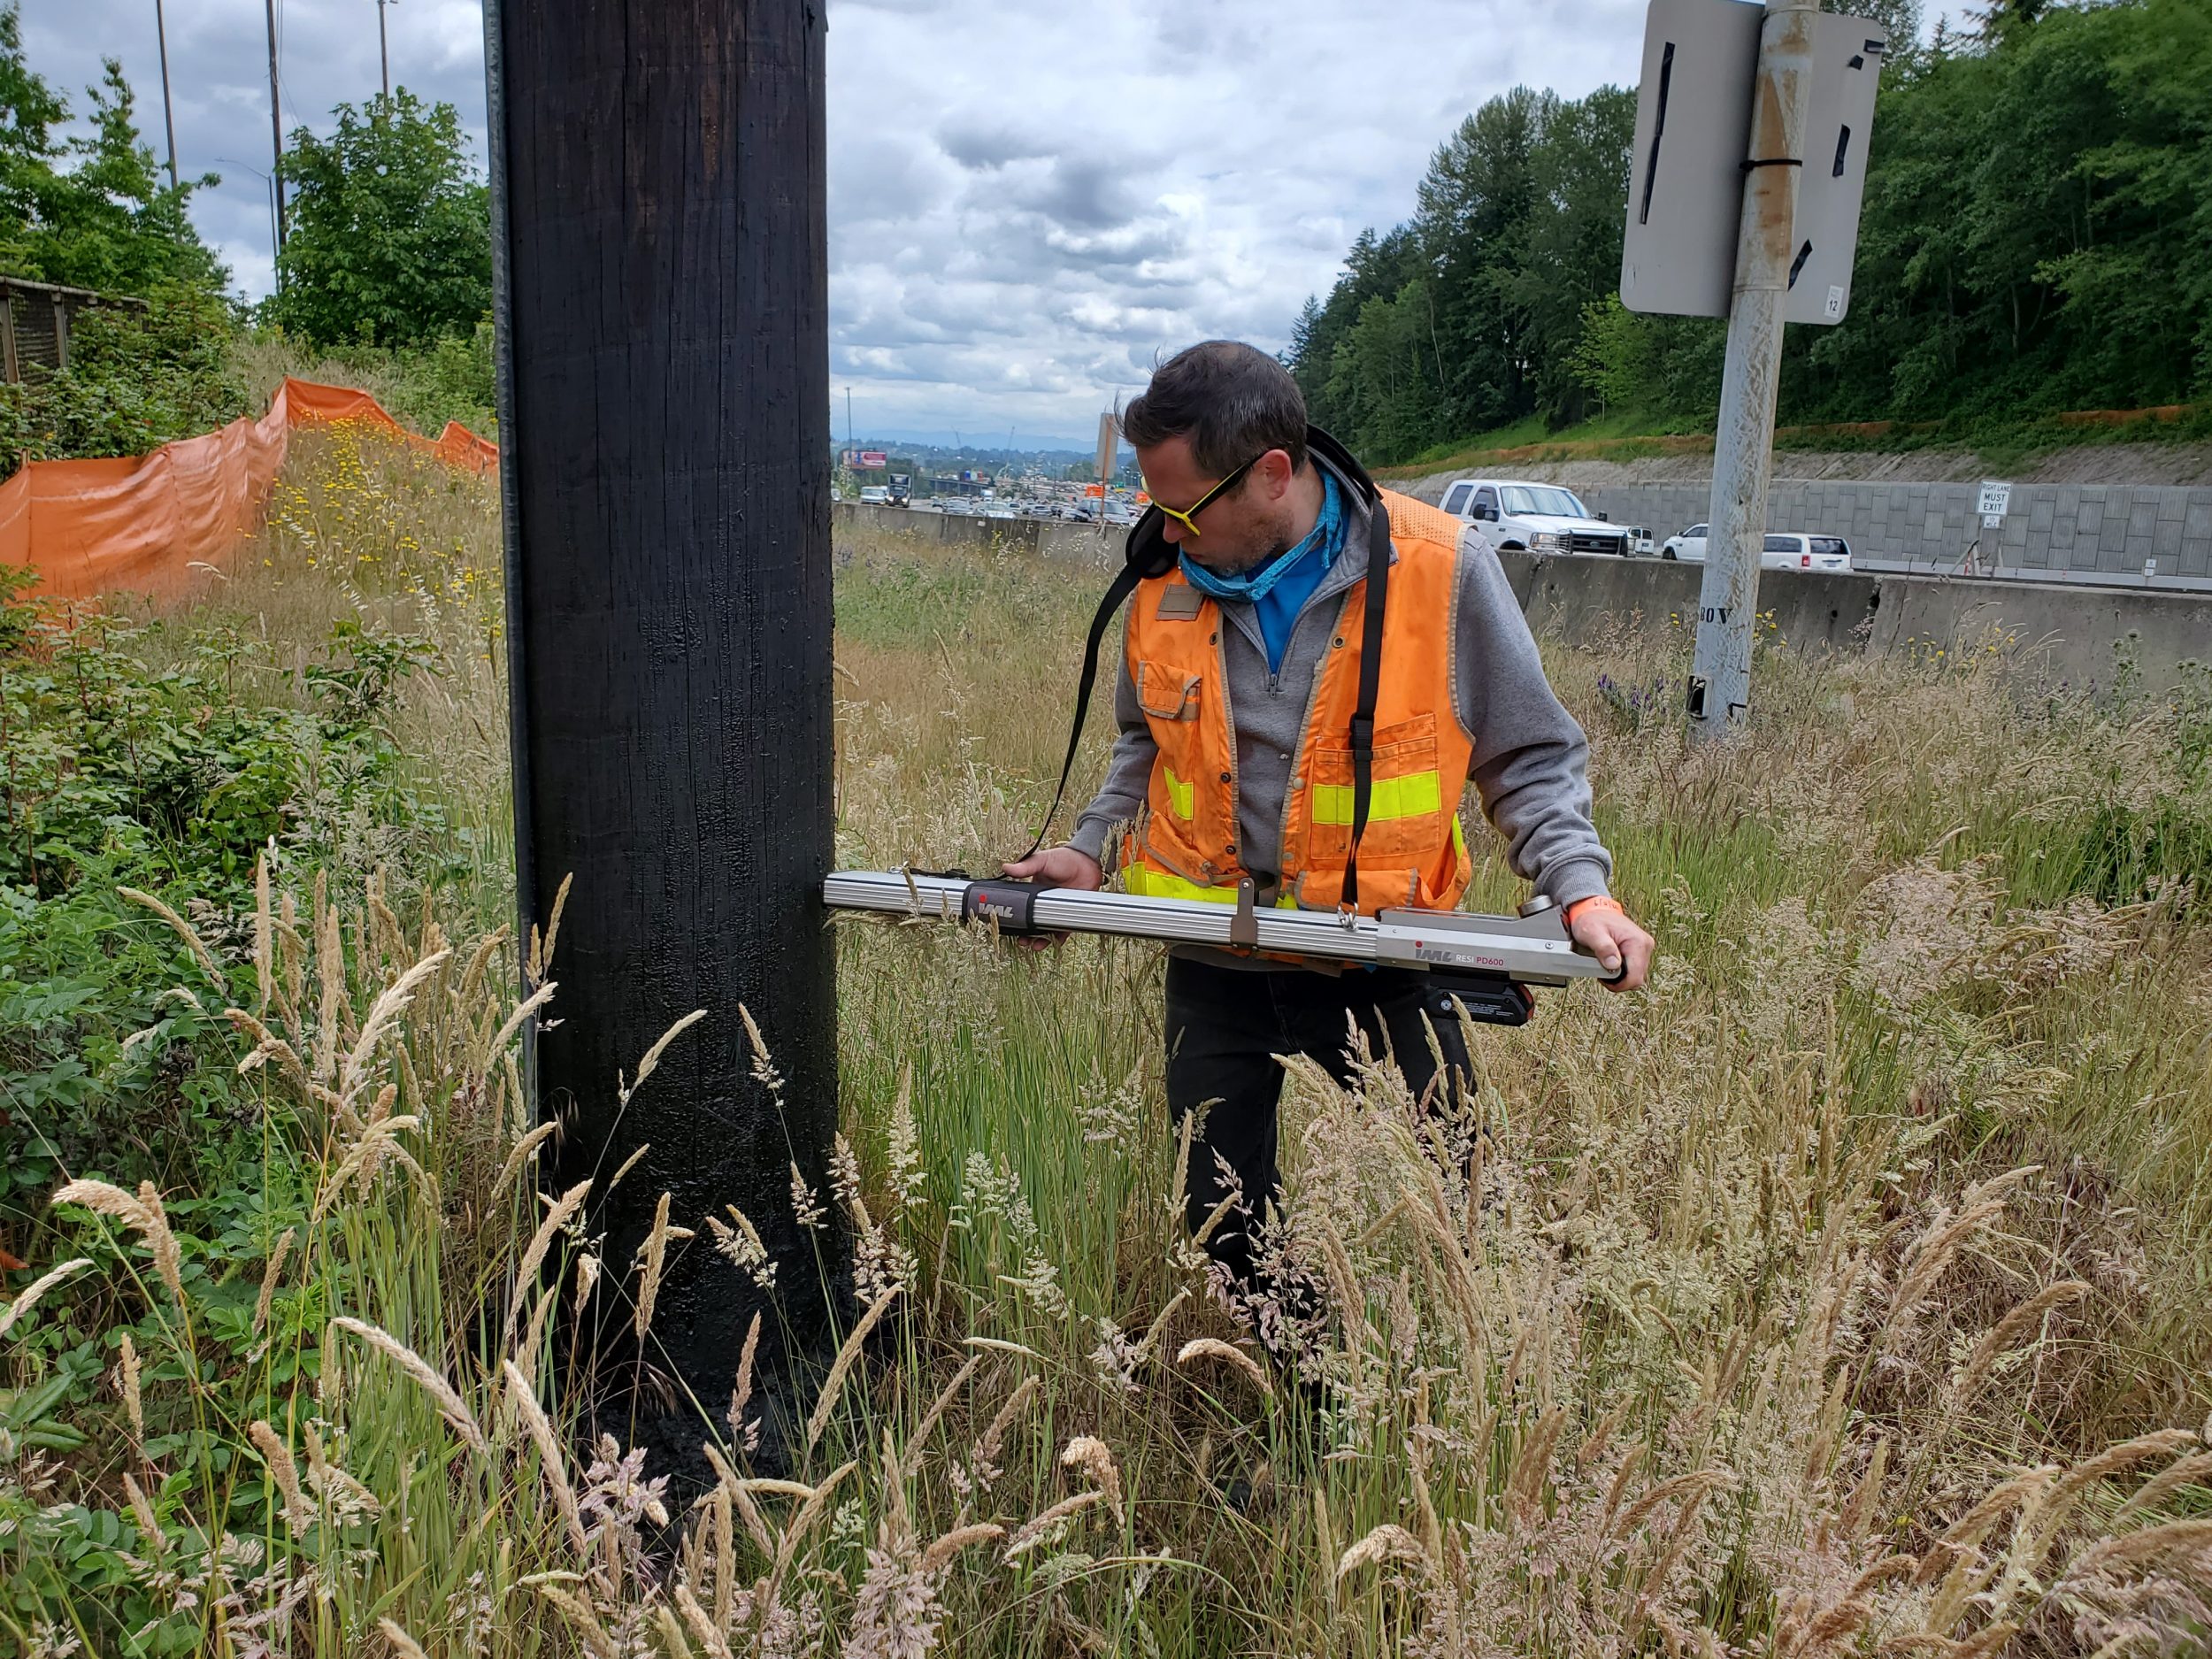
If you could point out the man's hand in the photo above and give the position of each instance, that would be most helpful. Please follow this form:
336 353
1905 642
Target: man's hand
1615 940
1060 867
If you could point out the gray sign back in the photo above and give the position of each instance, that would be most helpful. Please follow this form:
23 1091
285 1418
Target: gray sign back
1692 128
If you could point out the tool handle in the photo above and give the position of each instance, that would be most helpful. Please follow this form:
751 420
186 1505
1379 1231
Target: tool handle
1011 904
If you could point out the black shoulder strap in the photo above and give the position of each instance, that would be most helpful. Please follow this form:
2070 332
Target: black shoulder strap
1124 583
1370 689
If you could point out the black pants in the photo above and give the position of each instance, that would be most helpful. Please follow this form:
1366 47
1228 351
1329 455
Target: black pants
1225 1027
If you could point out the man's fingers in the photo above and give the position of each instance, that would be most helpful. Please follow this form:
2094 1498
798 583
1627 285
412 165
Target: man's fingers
1637 951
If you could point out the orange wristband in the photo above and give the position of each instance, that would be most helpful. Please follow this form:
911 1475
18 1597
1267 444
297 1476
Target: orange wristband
1595 902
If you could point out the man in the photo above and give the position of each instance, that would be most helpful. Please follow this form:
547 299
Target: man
1239 681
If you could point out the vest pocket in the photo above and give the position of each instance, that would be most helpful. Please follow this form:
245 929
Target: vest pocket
1165 692
1406 801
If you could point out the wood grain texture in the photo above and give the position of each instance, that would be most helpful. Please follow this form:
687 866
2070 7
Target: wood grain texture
661 268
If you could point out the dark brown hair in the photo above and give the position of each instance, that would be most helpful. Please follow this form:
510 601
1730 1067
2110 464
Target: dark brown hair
1232 401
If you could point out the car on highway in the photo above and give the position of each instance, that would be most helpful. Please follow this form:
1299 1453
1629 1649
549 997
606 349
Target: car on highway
875 495
1791 550
1780 550
1640 543
1534 518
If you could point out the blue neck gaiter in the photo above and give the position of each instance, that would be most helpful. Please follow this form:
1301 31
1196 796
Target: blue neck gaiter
1277 590
1326 537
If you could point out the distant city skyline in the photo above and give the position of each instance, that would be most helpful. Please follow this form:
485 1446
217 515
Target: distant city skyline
1028 205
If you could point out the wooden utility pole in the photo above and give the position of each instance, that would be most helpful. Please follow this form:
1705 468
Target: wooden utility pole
660 277
276 130
384 47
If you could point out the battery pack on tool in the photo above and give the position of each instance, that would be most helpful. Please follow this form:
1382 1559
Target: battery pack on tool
1488 1000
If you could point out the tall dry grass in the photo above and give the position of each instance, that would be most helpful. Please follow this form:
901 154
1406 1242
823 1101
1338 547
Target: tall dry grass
1840 1293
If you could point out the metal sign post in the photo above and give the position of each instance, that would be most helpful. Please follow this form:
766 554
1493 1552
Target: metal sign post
1108 446
1748 168
1992 501
661 297
1743 440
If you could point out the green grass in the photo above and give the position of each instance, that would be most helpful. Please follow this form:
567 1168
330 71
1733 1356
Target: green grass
1920 933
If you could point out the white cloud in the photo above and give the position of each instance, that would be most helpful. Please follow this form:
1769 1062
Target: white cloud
1028 204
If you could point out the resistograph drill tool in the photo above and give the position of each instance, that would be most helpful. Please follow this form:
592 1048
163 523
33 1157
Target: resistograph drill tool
1488 961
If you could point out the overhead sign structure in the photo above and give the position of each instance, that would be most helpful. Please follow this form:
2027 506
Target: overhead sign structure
1693 129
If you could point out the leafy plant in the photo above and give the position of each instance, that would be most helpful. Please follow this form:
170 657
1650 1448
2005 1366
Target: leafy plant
390 238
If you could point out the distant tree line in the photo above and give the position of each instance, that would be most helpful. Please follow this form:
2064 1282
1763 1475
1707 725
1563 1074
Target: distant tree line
2037 235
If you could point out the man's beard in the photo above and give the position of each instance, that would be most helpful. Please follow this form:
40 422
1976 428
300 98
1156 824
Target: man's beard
1242 564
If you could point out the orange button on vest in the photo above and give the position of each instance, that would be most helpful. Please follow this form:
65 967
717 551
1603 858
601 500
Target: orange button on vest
1412 852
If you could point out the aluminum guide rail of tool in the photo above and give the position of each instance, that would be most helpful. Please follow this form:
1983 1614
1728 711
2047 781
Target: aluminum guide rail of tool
1467 952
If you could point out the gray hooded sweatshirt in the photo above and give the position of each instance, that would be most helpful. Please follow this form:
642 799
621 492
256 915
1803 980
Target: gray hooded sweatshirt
1530 761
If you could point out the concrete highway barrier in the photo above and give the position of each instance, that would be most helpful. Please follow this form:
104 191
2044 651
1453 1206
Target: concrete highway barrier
2055 634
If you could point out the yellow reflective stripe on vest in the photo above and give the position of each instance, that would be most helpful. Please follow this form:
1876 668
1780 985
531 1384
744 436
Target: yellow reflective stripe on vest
1181 796
1158 884
1416 794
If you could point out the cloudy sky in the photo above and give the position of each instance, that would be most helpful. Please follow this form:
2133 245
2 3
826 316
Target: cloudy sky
1027 201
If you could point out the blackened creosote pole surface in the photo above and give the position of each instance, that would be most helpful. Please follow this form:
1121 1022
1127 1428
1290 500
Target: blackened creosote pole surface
660 261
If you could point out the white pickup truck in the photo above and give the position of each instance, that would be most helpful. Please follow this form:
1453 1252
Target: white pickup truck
1535 517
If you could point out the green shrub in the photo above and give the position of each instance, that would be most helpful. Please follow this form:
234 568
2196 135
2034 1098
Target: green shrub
135 381
124 773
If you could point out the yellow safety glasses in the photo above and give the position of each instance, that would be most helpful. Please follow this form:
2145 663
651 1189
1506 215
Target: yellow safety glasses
1205 501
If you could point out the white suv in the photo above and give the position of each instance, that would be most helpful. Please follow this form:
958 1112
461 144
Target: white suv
1778 550
1789 551
1537 517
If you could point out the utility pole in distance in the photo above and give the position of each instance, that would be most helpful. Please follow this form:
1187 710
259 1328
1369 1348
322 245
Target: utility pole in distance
1743 441
276 130
168 115
384 45
660 291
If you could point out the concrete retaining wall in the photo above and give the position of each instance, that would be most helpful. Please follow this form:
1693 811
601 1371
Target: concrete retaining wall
1055 539
2050 530
2068 634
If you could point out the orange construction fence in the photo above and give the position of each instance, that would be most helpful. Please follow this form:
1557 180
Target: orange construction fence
140 522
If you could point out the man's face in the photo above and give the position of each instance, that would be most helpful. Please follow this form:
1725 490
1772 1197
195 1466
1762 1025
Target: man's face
1242 527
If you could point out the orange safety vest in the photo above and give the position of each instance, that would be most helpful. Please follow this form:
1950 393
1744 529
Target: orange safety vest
1412 852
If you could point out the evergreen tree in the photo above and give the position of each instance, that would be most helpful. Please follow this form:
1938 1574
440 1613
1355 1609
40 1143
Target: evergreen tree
2037 235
